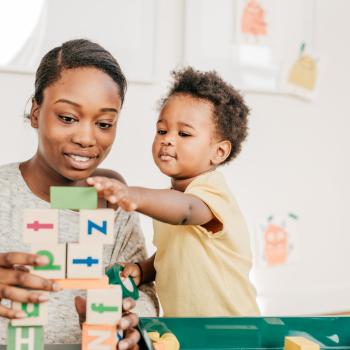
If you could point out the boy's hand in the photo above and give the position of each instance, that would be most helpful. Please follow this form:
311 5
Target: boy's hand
115 192
132 270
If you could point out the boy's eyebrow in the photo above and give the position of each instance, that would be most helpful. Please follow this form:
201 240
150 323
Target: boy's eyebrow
180 123
107 109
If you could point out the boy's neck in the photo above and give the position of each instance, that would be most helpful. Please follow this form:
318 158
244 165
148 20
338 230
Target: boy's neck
182 184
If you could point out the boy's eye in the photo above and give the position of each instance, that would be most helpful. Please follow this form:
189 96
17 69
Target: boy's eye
183 134
103 125
161 132
67 119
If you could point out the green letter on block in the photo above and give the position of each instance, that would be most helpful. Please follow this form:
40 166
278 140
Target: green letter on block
62 197
25 338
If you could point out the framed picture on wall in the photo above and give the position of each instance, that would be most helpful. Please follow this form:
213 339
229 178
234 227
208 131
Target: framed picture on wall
250 42
125 28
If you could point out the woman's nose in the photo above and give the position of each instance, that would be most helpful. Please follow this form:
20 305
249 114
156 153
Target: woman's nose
84 136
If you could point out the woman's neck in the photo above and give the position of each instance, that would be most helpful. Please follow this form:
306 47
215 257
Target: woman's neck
39 177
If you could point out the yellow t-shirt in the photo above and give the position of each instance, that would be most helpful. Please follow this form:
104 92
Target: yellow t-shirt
200 273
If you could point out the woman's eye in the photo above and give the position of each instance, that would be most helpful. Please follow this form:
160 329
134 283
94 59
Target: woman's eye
161 132
67 119
184 134
102 125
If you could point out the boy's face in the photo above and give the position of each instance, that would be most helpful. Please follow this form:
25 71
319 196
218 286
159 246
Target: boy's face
185 138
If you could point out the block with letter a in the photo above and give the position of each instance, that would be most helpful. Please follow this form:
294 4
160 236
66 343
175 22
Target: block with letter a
98 337
40 226
25 338
97 226
85 261
36 314
56 254
104 306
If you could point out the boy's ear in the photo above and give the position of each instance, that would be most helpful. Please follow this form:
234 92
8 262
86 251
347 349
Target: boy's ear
221 152
34 114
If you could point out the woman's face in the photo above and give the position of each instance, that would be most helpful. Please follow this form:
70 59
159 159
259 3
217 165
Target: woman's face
77 122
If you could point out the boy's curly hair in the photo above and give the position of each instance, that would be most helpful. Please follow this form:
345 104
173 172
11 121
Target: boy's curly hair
230 111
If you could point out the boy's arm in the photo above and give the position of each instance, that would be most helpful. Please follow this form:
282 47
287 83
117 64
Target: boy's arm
170 206
148 272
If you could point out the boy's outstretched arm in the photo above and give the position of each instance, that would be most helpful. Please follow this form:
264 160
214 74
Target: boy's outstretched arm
170 206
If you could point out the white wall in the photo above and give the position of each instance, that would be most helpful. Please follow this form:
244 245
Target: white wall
295 159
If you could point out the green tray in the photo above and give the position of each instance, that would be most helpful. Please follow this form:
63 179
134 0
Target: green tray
253 332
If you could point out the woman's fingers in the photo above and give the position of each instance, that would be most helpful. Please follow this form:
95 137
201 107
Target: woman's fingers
22 295
9 313
20 258
25 279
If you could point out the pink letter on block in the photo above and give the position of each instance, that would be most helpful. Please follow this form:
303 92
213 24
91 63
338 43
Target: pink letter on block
98 337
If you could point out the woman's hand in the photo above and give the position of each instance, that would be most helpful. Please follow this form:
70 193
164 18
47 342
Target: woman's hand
13 274
115 192
127 323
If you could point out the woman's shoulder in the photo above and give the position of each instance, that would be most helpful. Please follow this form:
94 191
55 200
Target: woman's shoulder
109 173
9 171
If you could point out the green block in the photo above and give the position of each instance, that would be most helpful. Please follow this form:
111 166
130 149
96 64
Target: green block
25 338
62 197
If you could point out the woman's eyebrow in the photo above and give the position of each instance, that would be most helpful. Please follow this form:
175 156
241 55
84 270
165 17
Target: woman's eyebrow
107 109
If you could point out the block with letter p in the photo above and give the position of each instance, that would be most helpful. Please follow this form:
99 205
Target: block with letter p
36 314
40 226
104 306
56 254
96 226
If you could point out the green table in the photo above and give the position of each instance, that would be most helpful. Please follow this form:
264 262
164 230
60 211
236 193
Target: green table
254 332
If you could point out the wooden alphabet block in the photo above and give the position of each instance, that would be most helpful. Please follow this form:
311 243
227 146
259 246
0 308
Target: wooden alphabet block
25 338
300 343
104 306
56 254
37 314
97 337
68 197
76 283
85 261
40 226
96 226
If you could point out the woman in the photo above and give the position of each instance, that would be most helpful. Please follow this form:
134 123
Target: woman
79 92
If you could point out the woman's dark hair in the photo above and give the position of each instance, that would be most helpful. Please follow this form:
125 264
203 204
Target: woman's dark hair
75 54
230 113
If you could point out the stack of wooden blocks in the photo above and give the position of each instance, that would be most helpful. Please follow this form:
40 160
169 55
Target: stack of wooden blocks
72 266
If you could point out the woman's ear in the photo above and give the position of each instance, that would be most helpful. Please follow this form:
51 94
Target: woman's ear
221 152
34 114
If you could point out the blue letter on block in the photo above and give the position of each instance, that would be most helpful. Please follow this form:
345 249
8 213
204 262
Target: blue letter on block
92 225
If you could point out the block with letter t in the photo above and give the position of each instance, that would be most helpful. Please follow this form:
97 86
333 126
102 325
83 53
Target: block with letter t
85 261
40 226
96 226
